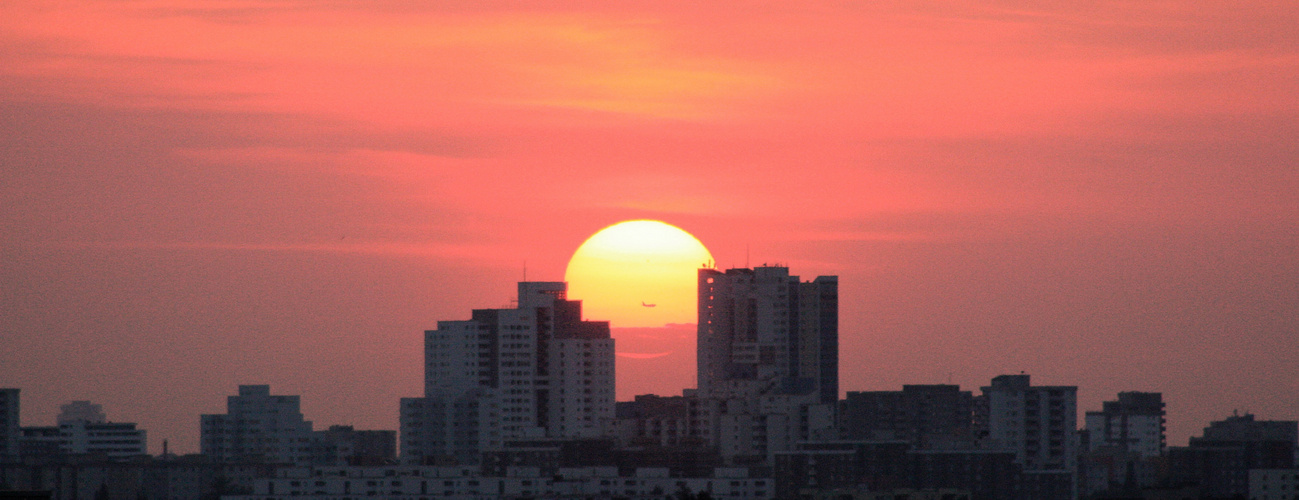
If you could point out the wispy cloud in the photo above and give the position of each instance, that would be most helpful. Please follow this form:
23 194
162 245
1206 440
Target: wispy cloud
442 251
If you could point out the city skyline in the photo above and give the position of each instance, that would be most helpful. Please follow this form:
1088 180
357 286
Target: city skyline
199 195
763 284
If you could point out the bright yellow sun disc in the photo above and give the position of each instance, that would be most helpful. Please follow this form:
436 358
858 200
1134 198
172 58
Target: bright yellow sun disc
638 273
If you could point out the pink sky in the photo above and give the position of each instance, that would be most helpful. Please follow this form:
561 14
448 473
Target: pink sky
196 195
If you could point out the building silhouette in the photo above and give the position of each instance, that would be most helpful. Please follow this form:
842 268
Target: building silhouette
651 420
537 371
1123 444
258 427
83 429
893 469
344 445
1219 462
768 361
1039 424
1134 423
82 411
9 424
926 416
114 440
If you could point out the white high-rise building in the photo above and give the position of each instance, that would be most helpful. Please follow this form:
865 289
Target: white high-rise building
258 426
1038 423
768 361
1134 423
533 372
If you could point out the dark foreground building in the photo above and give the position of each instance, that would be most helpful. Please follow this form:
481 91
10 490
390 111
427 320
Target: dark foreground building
90 477
927 416
878 466
1219 462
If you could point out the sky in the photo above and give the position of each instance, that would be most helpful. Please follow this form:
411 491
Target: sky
200 194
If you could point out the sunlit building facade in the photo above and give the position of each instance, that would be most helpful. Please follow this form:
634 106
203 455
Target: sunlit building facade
535 371
768 361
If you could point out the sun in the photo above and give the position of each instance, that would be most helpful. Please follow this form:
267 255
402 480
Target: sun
638 273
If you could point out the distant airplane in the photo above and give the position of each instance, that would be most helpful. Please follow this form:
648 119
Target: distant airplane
647 305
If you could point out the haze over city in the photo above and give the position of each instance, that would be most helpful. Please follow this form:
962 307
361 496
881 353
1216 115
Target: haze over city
199 195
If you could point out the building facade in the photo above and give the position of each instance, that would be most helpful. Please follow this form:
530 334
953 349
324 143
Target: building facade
927 416
422 482
1274 484
1220 461
258 427
9 425
344 445
84 429
99 478
1134 423
768 361
652 420
535 371
116 440
1038 423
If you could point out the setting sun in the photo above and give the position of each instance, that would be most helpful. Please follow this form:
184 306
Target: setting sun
637 273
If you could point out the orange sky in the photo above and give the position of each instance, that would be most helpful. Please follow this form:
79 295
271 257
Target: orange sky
199 194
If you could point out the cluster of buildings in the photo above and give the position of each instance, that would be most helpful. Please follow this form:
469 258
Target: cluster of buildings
519 403
82 429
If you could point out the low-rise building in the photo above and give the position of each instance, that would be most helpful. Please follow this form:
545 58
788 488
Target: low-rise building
416 482
344 445
927 416
81 477
855 468
652 420
1219 462
114 440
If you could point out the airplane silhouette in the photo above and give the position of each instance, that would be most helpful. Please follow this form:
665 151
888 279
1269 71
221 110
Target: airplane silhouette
647 305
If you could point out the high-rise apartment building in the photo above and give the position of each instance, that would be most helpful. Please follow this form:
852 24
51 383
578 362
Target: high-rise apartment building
768 361
1038 423
9 427
535 371
759 327
1134 423
258 427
